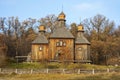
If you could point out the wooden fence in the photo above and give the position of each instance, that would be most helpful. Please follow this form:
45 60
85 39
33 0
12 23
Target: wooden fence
58 71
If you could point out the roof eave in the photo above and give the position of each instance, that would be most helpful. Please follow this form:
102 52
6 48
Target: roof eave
83 43
39 43
61 38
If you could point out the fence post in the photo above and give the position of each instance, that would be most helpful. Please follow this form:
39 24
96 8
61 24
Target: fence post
31 71
63 71
78 71
0 70
93 71
16 71
47 70
108 70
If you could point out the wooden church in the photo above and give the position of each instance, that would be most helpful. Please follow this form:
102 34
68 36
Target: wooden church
61 45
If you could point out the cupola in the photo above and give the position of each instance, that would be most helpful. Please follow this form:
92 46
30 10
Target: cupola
61 16
41 28
80 28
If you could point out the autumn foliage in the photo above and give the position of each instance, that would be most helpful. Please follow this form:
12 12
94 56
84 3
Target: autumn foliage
16 36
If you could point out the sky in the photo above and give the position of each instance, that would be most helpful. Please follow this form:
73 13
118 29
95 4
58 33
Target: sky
75 10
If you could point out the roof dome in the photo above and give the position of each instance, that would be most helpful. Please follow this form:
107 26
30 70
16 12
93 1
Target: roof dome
61 15
41 28
80 27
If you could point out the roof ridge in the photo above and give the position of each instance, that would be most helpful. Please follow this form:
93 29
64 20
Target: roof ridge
61 32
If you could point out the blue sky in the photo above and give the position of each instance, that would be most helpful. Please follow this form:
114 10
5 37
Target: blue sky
74 9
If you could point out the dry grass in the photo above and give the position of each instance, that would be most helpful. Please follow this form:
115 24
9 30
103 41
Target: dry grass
105 76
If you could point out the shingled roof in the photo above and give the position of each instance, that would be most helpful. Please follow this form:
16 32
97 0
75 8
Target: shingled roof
41 39
81 40
61 32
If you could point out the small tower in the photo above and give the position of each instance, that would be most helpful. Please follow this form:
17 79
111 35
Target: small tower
39 46
82 46
61 19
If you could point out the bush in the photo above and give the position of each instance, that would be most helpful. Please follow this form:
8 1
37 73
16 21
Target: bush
3 60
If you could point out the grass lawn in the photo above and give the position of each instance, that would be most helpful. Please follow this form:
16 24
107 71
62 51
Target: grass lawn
105 76
56 66
101 76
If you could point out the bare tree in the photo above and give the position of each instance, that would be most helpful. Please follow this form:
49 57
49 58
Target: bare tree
50 22
74 29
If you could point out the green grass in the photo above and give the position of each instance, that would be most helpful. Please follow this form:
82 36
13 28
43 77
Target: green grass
36 65
105 76
24 65
102 76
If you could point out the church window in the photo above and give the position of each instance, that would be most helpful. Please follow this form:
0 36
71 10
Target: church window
61 43
79 48
40 48
64 44
57 44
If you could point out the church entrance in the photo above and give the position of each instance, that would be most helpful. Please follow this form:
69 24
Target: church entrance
79 54
58 55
